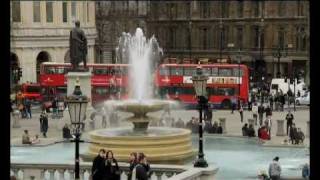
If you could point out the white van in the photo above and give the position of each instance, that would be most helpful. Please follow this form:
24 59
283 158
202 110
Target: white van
280 84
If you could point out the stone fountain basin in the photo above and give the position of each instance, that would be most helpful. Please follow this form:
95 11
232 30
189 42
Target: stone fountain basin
160 144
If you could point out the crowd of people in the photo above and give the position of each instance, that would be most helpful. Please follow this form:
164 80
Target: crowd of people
105 167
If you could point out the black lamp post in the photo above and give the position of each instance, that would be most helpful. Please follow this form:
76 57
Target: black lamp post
200 85
77 106
280 52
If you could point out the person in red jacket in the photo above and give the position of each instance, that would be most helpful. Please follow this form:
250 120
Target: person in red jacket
263 133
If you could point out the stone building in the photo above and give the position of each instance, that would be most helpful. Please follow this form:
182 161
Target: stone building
248 30
40 32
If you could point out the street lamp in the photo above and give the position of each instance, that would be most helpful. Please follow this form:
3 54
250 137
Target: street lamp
279 53
77 106
200 85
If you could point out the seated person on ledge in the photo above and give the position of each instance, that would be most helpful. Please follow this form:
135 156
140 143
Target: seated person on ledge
26 138
263 132
35 140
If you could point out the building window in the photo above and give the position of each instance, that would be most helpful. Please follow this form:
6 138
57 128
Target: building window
301 41
240 37
300 8
172 10
65 12
281 37
225 9
204 9
240 9
88 12
36 11
281 8
73 11
16 11
49 11
256 8
255 36
204 38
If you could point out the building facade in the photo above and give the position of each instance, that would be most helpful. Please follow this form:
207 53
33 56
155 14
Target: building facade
249 31
40 32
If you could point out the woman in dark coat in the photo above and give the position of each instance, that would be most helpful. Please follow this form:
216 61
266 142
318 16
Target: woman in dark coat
112 171
97 170
143 171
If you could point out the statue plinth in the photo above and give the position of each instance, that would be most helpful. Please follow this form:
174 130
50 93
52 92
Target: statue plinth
84 80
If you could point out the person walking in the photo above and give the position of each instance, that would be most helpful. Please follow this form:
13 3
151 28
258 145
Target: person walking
275 169
289 118
255 112
44 123
241 112
260 112
28 108
97 169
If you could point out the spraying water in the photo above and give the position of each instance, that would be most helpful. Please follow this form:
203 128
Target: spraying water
141 54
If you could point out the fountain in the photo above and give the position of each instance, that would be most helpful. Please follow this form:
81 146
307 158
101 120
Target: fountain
160 144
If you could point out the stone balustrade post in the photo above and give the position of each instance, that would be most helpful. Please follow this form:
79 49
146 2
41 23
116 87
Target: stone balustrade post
223 124
308 129
280 128
16 118
71 174
61 174
15 172
251 121
51 172
82 171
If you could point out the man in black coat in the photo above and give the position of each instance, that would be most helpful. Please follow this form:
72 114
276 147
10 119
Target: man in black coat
44 123
289 118
260 112
98 165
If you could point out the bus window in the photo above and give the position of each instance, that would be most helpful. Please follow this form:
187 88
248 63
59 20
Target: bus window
176 71
33 89
236 72
124 71
188 71
49 70
61 90
183 90
59 70
214 71
224 91
102 91
207 70
225 72
164 71
100 71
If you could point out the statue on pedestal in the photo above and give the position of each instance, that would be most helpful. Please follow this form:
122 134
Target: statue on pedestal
78 48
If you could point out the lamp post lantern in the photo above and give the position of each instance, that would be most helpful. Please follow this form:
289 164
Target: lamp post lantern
200 85
77 106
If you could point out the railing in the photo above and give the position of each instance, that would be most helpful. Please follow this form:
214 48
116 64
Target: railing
66 171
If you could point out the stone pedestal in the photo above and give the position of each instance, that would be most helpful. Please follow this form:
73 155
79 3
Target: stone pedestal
223 125
15 118
32 174
308 129
251 121
85 83
280 128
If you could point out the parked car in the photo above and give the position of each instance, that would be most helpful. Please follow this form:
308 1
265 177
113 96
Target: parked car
303 100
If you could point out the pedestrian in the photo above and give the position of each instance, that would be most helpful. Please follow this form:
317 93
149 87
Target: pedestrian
250 131
275 169
54 108
142 169
112 171
289 118
268 124
219 129
133 161
28 108
255 112
241 112
245 129
233 104
306 171
179 123
300 136
207 126
98 164
271 98
260 112
66 132
44 123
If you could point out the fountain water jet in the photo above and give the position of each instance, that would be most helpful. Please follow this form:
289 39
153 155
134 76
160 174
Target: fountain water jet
161 145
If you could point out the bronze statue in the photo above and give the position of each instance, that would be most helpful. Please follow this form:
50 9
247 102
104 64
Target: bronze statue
78 47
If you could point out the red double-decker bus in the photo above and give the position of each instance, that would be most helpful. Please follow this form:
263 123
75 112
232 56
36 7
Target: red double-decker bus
107 80
225 81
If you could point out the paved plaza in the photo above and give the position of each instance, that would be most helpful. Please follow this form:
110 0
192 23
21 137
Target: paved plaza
233 124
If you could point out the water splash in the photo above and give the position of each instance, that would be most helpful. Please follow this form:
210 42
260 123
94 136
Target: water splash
142 54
